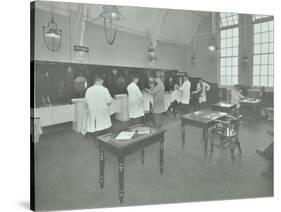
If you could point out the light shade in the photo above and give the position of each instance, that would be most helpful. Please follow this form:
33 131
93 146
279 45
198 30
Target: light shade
53 33
193 57
212 45
212 48
151 55
151 52
110 13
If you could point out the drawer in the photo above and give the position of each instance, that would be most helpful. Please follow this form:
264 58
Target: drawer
63 114
45 115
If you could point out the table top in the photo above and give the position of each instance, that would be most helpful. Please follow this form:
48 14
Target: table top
204 116
251 101
109 139
224 104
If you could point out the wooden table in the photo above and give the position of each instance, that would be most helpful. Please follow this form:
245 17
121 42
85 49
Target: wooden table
122 148
203 119
224 107
254 104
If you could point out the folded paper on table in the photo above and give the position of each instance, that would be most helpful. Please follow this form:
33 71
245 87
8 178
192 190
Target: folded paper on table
197 112
251 100
125 135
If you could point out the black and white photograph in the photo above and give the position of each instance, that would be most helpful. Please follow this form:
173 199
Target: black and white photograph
134 106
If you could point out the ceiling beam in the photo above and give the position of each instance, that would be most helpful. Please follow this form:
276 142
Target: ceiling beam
155 27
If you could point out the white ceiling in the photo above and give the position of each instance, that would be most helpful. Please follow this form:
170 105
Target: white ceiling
176 26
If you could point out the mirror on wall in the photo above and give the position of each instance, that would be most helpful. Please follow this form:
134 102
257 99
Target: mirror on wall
80 84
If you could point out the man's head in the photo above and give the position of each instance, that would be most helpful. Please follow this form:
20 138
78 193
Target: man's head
98 80
262 88
135 78
237 87
157 79
200 80
185 77
151 81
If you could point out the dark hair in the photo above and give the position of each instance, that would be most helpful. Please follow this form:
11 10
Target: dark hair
237 86
98 77
135 76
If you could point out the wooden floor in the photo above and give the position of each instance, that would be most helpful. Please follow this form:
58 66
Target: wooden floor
67 170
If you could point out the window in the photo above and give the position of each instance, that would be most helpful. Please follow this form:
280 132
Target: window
258 17
228 19
263 51
229 45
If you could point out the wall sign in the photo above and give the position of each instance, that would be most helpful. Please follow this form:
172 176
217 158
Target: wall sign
78 48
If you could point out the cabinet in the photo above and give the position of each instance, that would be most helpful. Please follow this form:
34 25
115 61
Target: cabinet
55 114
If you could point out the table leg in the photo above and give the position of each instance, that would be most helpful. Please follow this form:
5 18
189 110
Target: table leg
253 108
183 134
161 156
257 111
101 167
205 138
121 178
233 111
174 112
142 156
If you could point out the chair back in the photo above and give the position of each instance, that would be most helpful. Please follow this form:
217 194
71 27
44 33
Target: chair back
234 125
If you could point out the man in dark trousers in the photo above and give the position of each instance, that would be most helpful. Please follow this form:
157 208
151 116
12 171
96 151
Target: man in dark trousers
158 107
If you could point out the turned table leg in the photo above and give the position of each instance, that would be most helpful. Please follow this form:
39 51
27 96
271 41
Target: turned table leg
101 166
183 134
142 156
205 138
121 178
161 156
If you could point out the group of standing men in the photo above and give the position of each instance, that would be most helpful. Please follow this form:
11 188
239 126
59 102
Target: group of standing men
136 101
99 99
200 93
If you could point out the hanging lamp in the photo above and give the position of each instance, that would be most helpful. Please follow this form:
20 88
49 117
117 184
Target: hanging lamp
52 35
110 14
212 46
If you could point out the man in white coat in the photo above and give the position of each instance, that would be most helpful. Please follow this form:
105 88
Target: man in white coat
136 107
236 96
185 97
202 88
98 100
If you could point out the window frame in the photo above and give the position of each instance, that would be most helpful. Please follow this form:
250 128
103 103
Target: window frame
222 28
268 53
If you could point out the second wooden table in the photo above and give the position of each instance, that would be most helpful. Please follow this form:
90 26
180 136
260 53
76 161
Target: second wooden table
203 119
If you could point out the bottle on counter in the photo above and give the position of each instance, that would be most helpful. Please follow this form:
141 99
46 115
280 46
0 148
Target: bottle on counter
48 101
43 101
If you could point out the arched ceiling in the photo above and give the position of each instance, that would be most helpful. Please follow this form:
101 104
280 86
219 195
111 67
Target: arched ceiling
176 26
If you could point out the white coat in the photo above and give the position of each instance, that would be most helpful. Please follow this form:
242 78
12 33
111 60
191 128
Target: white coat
136 107
185 89
98 99
203 89
236 96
